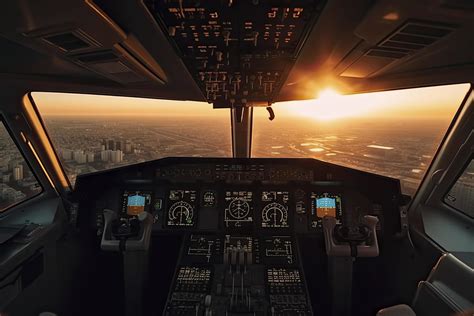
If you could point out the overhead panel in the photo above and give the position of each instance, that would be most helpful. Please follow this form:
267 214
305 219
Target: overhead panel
238 52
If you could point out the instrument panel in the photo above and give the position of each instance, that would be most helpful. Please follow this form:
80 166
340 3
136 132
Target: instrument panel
277 197
290 196
241 222
267 209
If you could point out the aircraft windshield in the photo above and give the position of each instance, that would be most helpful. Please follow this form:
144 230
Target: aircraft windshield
92 133
392 133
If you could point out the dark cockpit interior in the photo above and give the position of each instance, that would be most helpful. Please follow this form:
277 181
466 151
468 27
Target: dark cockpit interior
184 157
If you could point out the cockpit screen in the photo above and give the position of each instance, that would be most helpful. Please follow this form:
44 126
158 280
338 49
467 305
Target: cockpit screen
181 208
239 209
325 204
274 209
135 202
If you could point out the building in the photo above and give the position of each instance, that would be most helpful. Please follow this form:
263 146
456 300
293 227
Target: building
120 145
18 173
128 147
110 145
105 155
116 156
80 157
67 154
6 178
90 157
10 194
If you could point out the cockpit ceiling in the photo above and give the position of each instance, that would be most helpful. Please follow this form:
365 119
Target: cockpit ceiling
235 52
238 52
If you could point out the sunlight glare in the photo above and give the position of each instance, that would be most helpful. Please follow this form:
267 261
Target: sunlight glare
330 105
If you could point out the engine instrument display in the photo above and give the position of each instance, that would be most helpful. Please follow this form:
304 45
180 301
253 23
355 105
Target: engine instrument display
135 202
278 250
325 204
239 209
181 211
203 248
274 209
209 198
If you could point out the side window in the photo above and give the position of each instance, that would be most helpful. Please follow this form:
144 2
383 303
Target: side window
461 195
17 181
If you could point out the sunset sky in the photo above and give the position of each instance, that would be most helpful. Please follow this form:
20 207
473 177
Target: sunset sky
429 103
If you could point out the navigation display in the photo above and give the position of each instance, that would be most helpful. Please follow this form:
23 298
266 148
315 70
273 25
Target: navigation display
274 212
325 204
239 209
181 208
135 202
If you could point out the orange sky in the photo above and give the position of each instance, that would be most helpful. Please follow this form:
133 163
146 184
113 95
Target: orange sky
430 103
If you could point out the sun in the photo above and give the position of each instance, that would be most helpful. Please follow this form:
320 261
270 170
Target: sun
330 105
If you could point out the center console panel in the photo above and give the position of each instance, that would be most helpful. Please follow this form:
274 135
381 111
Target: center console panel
241 275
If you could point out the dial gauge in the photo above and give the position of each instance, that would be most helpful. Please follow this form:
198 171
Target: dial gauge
274 212
181 214
274 215
182 208
239 209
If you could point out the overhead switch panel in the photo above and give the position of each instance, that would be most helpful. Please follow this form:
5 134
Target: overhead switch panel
238 52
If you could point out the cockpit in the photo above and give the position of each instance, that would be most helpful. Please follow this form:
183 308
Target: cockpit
236 157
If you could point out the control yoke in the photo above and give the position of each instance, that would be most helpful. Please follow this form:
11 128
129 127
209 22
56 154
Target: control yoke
345 241
343 245
131 236
126 234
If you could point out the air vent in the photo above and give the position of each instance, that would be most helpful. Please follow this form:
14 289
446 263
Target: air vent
406 46
413 36
117 71
409 38
386 53
406 40
67 42
115 64
96 57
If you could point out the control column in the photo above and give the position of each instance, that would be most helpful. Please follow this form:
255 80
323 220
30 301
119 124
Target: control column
343 245
131 236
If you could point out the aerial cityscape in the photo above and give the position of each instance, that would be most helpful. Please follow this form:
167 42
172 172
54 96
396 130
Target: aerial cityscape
17 183
84 144
401 150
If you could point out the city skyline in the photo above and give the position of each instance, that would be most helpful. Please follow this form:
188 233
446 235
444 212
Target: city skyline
401 150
